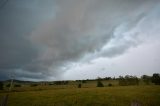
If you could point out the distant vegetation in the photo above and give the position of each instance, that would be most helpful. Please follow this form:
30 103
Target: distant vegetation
109 84
156 78
108 91
33 85
99 84
17 85
128 80
121 81
146 79
1 85
79 85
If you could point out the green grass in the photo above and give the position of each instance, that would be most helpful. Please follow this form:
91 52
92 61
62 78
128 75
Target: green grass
105 96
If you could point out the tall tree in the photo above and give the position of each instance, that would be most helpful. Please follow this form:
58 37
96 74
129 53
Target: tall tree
1 85
156 78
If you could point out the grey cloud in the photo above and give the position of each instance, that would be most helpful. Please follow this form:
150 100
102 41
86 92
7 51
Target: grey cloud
77 30
132 34
45 40
17 20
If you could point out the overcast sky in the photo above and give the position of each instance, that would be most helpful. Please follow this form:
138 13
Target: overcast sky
78 39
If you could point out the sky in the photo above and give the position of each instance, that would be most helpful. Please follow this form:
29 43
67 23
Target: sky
78 39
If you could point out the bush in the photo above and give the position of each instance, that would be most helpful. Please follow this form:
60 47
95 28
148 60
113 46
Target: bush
1 85
128 80
83 81
61 82
99 84
156 79
8 85
51 84
33 85
17 85
146 79
79 85
109 84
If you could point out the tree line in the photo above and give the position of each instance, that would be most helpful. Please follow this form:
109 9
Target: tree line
123 81
132 80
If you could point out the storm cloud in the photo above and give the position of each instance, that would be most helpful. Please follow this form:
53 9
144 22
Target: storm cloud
39 39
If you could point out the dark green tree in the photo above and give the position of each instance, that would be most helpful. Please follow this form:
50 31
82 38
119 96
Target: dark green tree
156 78
146 79
109 84
17 85
1 85
128 80
99 84
79 85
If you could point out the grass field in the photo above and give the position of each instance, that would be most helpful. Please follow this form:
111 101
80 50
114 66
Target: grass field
93 96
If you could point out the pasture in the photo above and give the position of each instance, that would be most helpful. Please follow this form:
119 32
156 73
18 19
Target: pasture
88 95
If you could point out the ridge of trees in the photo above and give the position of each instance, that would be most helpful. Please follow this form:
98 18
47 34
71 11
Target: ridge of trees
122 80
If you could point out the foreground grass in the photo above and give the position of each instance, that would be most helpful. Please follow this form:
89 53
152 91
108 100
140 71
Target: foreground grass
106 96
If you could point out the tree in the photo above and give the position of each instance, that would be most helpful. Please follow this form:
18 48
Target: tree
17 85
99 84
146 79
122 81
109 84
79 85
128 80
8 85
83 81
156 78
1 85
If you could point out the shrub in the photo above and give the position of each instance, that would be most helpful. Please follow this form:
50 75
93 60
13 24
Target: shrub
146 79
17 85
99 84
128 80
83 81
109 84
51 84
156 79
1 85
33 85
8 85
61 82
79 85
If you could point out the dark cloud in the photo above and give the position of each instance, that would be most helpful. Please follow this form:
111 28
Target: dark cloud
17 20
39 38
